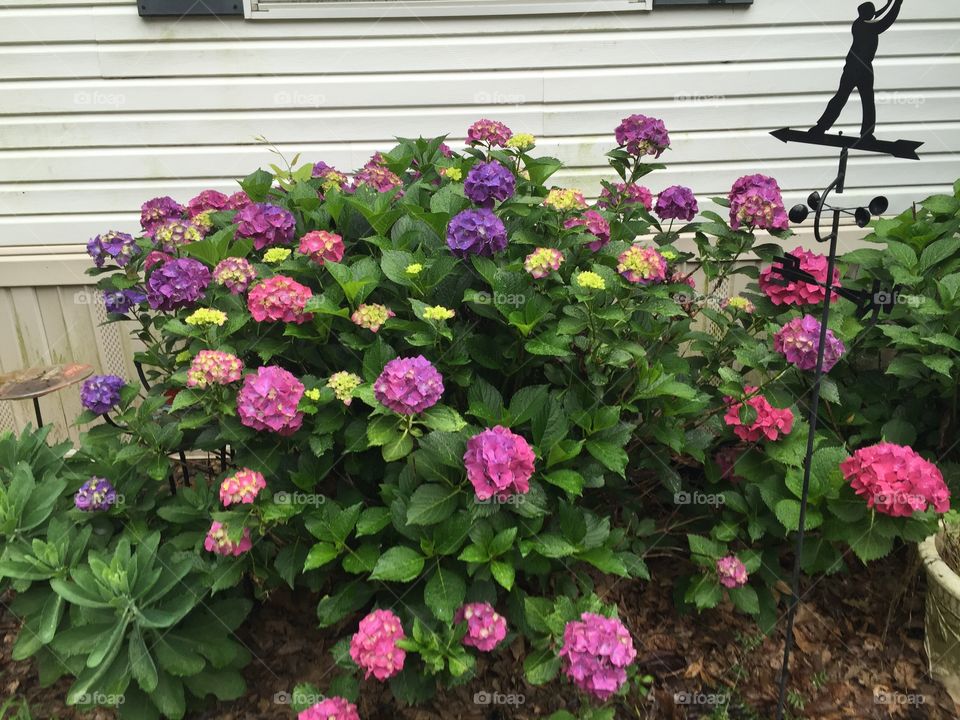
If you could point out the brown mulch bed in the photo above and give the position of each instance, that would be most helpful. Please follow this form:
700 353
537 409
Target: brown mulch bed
859 655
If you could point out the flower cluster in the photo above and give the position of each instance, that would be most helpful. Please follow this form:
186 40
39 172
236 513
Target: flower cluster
624 194
279 299
372 316
476 232
176 233
896 480
595 224
241 487
333 708
96 494
322 246
438 312
769 424
330 177
564 200
118 246
596 653
206 316
642 135
485 627
265 224
122 301
799 342
738 303
276 255
642 265
218 541
207 201
489 182
343 384
677 203
213 367
731 572
377 177
177 283
374 646
489 132
756 201
499 463
590 280
522 142
101 393
543 261
798 292
153 213
269 399
408 385
235 274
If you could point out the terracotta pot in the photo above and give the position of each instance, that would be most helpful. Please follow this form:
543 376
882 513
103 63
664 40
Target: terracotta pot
942 619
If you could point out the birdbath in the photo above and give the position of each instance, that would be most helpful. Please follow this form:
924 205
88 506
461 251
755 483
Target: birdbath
34 383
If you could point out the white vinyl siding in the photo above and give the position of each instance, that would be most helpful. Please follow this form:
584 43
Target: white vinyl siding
378 9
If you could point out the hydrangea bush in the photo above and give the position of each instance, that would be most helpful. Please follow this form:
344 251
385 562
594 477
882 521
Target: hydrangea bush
454 400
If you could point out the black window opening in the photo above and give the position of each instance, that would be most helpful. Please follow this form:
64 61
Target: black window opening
181 8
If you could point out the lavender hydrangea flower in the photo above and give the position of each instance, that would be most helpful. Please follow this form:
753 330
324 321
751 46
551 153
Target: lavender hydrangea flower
677 203
642 135
409 385
476 232
119 246
756 201
154 213
265 224
95 494
122 301
799 342
101 393
177 284
489 182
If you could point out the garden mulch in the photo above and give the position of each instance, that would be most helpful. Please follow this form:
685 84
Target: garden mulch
859 655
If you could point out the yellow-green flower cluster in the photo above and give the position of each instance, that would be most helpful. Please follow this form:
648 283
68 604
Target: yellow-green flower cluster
276 255
453 173
669 255
207 316
738 302
312 394
343 384
590 280
333 180
414 269
564 200
203 221
522 141
438 312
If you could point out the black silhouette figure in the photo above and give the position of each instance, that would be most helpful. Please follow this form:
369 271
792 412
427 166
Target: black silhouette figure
858 72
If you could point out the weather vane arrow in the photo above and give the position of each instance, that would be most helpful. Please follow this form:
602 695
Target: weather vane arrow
905 149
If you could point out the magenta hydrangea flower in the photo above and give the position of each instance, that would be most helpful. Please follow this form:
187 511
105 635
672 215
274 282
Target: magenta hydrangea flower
770 422
485 627
489 132
642 265
374 646
177 284
499 463
265 224
242 487
153 213
797 292
96 494
322 246
642 135
543 261
238 201
207 201
799 341
489 182
122 301
268 401
217 541
214 367
379 178
896 480
597 652
677 203
333 708
476 232
117 246
279 299
101 393
595 224
625 194
235 274
408 385
155 257
731 572
756 202
175 233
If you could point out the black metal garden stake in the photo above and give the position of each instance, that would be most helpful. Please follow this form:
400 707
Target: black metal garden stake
857 74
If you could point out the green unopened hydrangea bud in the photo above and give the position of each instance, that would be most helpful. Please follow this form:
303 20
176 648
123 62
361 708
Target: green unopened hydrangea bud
438 312
276 255
590 280
207 316
343 384
414 269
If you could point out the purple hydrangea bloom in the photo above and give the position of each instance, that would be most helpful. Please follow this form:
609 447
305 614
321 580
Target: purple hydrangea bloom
95 494
408 385
101 393
756 201
476 232
799 342
235 274
489 182
177 284
642 135
265 224
117 245
677 203
122 301
597 652
154 213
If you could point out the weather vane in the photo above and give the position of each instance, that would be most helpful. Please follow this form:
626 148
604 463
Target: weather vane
857 75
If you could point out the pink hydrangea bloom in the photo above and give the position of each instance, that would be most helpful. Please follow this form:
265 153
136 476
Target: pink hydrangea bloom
499 462
279 298
625 194
408 385
218 542
731 572
799 341
206 201
334 708
595 224
642 265
769 424
755 201
213 367
154 213
543 261
235 274
490 132
242 487
374 646
597 652
322 246
155 257
377 177
797 292
896 480
485 627
268 401
238 201
372 317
